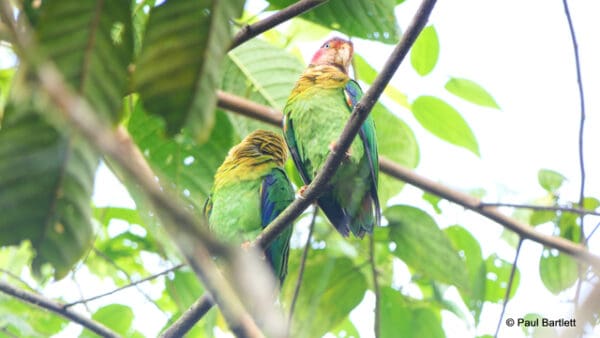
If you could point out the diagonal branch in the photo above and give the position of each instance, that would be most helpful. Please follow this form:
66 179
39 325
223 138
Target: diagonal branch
511 279
579 211
358 116
190 317
57 308
249 31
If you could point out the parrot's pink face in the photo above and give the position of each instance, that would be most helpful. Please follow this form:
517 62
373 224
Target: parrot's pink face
336 52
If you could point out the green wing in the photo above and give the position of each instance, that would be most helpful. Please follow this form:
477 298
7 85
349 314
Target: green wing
275 195
353 94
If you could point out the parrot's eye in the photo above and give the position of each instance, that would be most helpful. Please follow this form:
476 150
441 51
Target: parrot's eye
326 45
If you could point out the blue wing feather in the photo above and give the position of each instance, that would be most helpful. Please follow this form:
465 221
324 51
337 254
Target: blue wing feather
276 194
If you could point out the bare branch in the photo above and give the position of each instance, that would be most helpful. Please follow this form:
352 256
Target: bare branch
311 228
190 317
143 280
578 211
358 116
57 308
509 286
376 324
580 140
249 31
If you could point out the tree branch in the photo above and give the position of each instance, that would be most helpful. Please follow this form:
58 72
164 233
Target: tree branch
189 318
579 211
57 308
358 116
376 324
143 280
249 31
509 286
311 228
580 140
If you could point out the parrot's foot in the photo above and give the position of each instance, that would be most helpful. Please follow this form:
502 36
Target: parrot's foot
333 148
301 191
246 245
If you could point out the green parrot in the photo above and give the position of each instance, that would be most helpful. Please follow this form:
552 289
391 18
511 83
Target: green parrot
315 114
250 189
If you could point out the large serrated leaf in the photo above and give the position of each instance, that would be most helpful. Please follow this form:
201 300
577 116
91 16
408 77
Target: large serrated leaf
250 72
187 166
425 52
367 19
332 287
445 122
424 247
91 43
178 69
46 181
397 142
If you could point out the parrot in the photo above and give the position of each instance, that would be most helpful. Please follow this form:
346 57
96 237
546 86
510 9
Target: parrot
315 114
250 189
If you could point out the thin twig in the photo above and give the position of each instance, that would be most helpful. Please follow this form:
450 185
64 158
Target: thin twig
57 308
396 170
358 116
189 318
249 31
143 280
376 324
578 211
509 286
580 140
301 268
592 233
81 296
131 281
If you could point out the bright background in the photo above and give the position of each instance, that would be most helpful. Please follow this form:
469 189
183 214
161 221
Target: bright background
521 52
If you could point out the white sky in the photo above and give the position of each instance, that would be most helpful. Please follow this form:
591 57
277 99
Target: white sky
520 51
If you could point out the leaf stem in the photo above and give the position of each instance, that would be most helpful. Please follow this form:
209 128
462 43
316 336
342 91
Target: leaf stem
509 286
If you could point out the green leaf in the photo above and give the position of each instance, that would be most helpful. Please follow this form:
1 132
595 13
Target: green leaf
469 250
336 287
397 142
498 275
442 120
403 317
367 74
184 288
346 329
424 247
189 167
425 52
178 69
366 19
6 76
114 316
434 200
48 179
591 203
541 216
557 270
248 72
91 43
550 180
471 91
